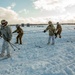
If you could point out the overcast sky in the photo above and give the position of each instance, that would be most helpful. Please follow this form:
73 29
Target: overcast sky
37 11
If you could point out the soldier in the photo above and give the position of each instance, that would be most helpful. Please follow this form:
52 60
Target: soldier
6 33
58 30
20 34
51 29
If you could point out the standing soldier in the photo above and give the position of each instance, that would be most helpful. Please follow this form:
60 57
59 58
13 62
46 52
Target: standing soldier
20 34
58 30
51 29
6 33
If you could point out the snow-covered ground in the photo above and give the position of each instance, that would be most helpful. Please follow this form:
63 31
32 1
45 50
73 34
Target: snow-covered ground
35 57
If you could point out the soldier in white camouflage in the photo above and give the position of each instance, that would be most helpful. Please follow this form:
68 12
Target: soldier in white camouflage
51 30
6 33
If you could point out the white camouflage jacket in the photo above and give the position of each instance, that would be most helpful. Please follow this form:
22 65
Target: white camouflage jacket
6 32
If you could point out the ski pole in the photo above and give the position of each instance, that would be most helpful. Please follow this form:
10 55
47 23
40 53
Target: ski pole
14 46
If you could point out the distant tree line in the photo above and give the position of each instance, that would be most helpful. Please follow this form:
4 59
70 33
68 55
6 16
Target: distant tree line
28 24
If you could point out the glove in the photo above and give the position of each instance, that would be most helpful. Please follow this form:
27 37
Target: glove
44 31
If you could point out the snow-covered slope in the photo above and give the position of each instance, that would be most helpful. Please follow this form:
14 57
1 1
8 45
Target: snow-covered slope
35 57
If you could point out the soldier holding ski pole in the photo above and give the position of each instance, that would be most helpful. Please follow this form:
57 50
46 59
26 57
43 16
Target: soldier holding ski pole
6 33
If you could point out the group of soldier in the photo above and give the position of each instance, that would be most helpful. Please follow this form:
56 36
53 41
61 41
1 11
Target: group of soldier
53 32
6 33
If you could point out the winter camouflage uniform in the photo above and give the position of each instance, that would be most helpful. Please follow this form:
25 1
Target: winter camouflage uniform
58 30
51 30
6 33
20 34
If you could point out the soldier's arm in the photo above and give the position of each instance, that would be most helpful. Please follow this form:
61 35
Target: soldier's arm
14 31
9 34
46 29
0 33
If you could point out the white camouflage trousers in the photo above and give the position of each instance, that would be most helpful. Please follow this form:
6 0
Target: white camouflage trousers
5 46
51 38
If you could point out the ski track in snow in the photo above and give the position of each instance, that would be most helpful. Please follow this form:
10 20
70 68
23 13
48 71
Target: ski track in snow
38 58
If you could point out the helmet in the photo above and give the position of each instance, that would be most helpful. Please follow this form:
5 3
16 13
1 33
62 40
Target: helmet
3 21
57 22
49 22
17 26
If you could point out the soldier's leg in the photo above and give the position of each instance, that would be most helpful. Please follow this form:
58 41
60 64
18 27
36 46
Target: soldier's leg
8 49
53 40
3 49
59 36
49 40
55 35
21 38
17 39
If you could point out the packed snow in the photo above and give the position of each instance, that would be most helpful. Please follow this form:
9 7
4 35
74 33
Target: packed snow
35 57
